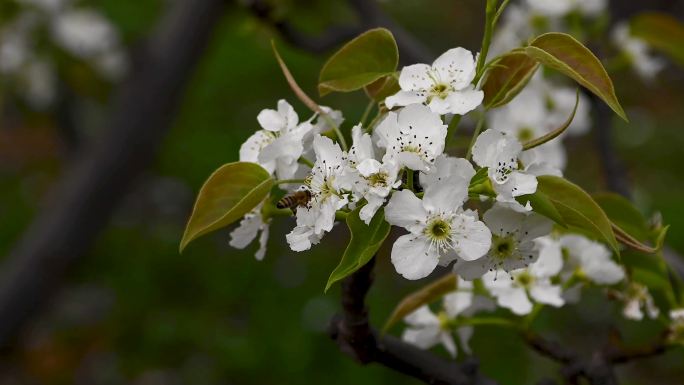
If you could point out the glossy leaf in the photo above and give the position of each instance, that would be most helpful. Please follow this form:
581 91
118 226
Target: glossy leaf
230 192
507 77
565 54
542 204
662 32
364 243
424 296
577 209
623 213
382 88
367 58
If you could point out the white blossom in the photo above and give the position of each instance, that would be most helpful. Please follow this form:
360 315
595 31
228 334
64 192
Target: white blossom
325 183
412 137
513 243
251 226
637 51
499 152
445 86
427 329
84 32
636 299
590 260
439 230
369 179
559 8
278 146
516 290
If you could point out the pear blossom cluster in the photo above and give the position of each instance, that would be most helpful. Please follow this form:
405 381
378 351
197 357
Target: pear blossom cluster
503 253
83 33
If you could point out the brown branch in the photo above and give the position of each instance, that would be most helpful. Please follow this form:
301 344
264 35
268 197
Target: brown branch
356 338
85 198
370 16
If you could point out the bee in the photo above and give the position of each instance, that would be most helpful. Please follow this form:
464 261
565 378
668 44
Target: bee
296 199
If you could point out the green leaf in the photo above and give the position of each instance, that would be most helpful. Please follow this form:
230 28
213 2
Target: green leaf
364 243
367 58
382 88
577 209
623 213
423 296
480 184
507 77
230 192
661 31
541 204
565 54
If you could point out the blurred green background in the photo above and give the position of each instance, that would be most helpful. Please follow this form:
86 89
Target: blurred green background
135 311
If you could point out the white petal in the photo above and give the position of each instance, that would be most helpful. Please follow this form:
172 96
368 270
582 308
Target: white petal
369 167
446 196
249 151
413 257
406 210
550 260
534 226
271 120
327 151
502 220
263 242
492 146
411 161
448 342
415 77
455 303
462 102
363 144
470 270
288 114
423 338
604 272
465 333
544 292
632 310
245 233
514 299
368 211
439 106
404 98
422 317
456 66
446 166
472 239
386 129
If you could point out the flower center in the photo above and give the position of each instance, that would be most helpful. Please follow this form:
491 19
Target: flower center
524 279
378 179
440 90
503 247
439 229
504 169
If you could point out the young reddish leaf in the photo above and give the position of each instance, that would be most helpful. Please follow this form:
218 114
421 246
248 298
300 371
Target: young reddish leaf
507 77
424 296
230 192
565 54
364 243
360 62
577 209
661 31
